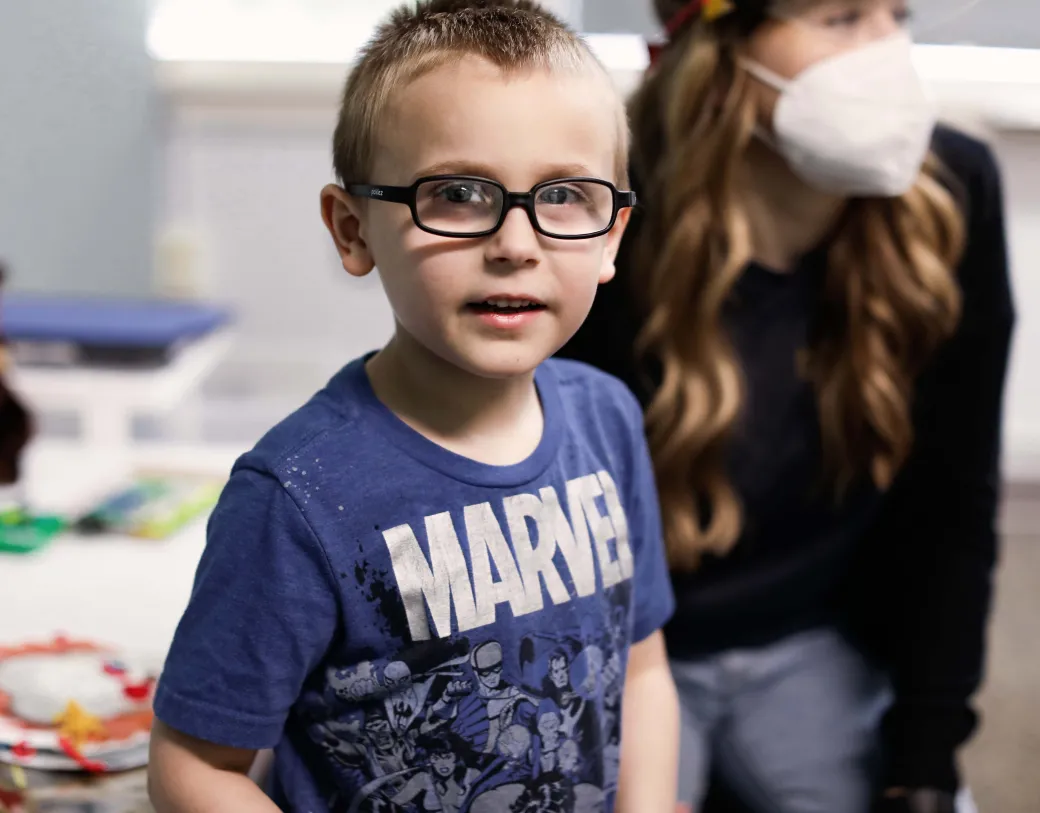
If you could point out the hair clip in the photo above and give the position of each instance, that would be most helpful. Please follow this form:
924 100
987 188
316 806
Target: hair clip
709 11
713 9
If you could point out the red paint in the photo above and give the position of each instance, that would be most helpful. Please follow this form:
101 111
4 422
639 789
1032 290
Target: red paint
138 691
23 750
71 751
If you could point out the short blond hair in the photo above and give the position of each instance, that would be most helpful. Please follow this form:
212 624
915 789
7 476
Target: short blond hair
514 35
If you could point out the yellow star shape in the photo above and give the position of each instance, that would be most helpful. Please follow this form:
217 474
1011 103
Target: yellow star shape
77 725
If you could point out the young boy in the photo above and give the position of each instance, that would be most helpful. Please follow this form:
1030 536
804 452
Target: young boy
431 587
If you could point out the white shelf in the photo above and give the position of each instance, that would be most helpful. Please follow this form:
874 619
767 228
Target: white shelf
107 400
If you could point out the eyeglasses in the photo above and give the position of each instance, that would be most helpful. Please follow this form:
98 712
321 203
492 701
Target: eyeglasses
467 206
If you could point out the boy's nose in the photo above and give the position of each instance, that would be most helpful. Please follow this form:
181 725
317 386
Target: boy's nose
516 243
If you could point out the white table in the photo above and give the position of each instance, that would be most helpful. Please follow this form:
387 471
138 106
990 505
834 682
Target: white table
107 400
129 593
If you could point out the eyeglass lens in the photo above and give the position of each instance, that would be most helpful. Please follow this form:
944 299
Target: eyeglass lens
466 206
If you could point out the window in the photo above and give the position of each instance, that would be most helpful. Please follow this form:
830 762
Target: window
279 30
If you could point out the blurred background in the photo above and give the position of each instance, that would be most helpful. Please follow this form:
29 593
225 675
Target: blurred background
172 151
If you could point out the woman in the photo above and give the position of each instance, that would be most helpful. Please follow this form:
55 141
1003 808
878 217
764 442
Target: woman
813 304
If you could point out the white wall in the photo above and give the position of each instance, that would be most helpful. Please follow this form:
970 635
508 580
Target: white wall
77 145
999 23
249 195
243 175
1019 155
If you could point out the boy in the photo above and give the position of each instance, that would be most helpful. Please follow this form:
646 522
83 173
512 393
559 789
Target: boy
430 588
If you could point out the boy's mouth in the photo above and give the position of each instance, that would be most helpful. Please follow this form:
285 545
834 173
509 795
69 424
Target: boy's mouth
505 305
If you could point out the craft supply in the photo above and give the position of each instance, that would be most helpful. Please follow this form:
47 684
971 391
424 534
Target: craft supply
22 532
75 706
82 792
77 726
73 752
12 799
154 506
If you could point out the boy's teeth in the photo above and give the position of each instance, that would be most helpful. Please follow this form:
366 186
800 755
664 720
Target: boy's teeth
509 303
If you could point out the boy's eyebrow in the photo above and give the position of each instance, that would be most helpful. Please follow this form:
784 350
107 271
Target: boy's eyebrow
546 173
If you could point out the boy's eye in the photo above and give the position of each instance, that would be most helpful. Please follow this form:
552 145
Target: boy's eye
458 192
560 195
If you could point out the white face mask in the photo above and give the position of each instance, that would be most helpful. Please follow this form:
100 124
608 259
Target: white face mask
858 124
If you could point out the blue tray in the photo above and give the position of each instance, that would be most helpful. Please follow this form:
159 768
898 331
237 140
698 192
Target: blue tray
131 323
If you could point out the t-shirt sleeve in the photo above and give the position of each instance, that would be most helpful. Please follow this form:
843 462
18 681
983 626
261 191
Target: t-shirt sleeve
262 614
652 591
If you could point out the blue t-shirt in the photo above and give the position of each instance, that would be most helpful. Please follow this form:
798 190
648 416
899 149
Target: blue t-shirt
415 631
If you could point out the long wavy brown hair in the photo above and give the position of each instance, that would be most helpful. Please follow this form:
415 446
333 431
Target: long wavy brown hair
890 295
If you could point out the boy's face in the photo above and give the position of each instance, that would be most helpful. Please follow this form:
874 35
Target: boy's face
470 118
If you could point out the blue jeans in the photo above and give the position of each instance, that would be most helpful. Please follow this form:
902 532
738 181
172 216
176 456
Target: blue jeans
792 727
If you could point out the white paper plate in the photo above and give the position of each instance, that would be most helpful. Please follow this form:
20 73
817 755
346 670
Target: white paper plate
115 754
128 758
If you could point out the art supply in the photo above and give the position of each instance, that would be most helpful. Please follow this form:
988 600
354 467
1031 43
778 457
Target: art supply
22 532
154 506
75 706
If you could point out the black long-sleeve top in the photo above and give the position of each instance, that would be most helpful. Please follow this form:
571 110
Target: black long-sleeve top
907 572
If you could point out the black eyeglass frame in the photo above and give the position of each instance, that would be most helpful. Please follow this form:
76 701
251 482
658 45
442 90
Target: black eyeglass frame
510 200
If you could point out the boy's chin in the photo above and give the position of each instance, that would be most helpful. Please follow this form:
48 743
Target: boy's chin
501 372
502 364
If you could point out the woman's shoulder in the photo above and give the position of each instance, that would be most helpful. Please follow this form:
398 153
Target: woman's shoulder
971 167
974 177
961 151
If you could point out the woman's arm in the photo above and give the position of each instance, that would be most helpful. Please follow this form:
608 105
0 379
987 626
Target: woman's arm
649 732
186 775
937 544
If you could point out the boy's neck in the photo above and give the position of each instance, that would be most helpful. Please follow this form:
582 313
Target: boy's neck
493 421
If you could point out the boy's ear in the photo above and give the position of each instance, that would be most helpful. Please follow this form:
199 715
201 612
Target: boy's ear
606 273
342 215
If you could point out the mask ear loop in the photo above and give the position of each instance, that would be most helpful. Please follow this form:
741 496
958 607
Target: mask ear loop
773 80
764 74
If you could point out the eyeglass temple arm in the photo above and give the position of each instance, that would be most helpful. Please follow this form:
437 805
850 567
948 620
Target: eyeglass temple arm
394 194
